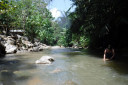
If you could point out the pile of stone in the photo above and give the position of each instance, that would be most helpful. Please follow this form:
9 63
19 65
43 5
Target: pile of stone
19 43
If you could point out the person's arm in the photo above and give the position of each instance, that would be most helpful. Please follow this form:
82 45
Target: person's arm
104 55
113 54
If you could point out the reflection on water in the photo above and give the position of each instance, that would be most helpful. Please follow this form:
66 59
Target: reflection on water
71 67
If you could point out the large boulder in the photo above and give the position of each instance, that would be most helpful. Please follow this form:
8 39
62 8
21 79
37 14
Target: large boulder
10 48
35 49
11 41
2 50
45 60
41 47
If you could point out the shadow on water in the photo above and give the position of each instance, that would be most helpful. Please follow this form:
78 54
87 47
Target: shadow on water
95 53
73 54
120 65
10 68
67 51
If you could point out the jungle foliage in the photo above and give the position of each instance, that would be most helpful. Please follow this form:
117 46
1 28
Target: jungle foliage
32 16
96 23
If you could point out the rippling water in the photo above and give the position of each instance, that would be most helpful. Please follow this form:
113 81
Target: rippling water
71 67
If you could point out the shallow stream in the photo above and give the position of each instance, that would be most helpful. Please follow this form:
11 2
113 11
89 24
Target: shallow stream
71 67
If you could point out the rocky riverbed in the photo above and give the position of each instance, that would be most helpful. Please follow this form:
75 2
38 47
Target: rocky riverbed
14 44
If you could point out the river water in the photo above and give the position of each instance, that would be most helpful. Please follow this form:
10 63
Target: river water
71 67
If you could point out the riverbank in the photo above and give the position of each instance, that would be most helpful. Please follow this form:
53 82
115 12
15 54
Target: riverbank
17 44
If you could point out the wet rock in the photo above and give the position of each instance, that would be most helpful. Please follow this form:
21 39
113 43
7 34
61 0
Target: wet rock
45 60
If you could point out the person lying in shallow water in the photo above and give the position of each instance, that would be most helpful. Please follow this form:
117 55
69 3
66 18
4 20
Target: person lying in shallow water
109 53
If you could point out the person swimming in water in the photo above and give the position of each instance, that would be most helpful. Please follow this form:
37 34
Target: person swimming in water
109 53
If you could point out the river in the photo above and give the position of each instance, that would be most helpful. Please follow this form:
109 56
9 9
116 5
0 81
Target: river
71 67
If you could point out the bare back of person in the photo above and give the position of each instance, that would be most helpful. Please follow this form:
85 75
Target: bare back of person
108 54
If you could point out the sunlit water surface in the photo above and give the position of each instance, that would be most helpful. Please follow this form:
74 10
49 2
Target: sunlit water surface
71 67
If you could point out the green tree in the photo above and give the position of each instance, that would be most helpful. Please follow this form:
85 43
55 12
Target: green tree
5 18
99 21
33 17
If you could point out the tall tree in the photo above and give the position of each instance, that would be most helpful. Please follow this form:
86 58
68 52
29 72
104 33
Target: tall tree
5 19
99 20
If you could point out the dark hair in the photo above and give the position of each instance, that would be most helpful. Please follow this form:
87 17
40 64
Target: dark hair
109 47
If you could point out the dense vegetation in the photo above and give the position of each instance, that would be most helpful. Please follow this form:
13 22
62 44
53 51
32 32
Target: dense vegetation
32 16
94 23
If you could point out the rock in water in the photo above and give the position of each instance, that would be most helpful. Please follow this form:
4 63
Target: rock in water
45 60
